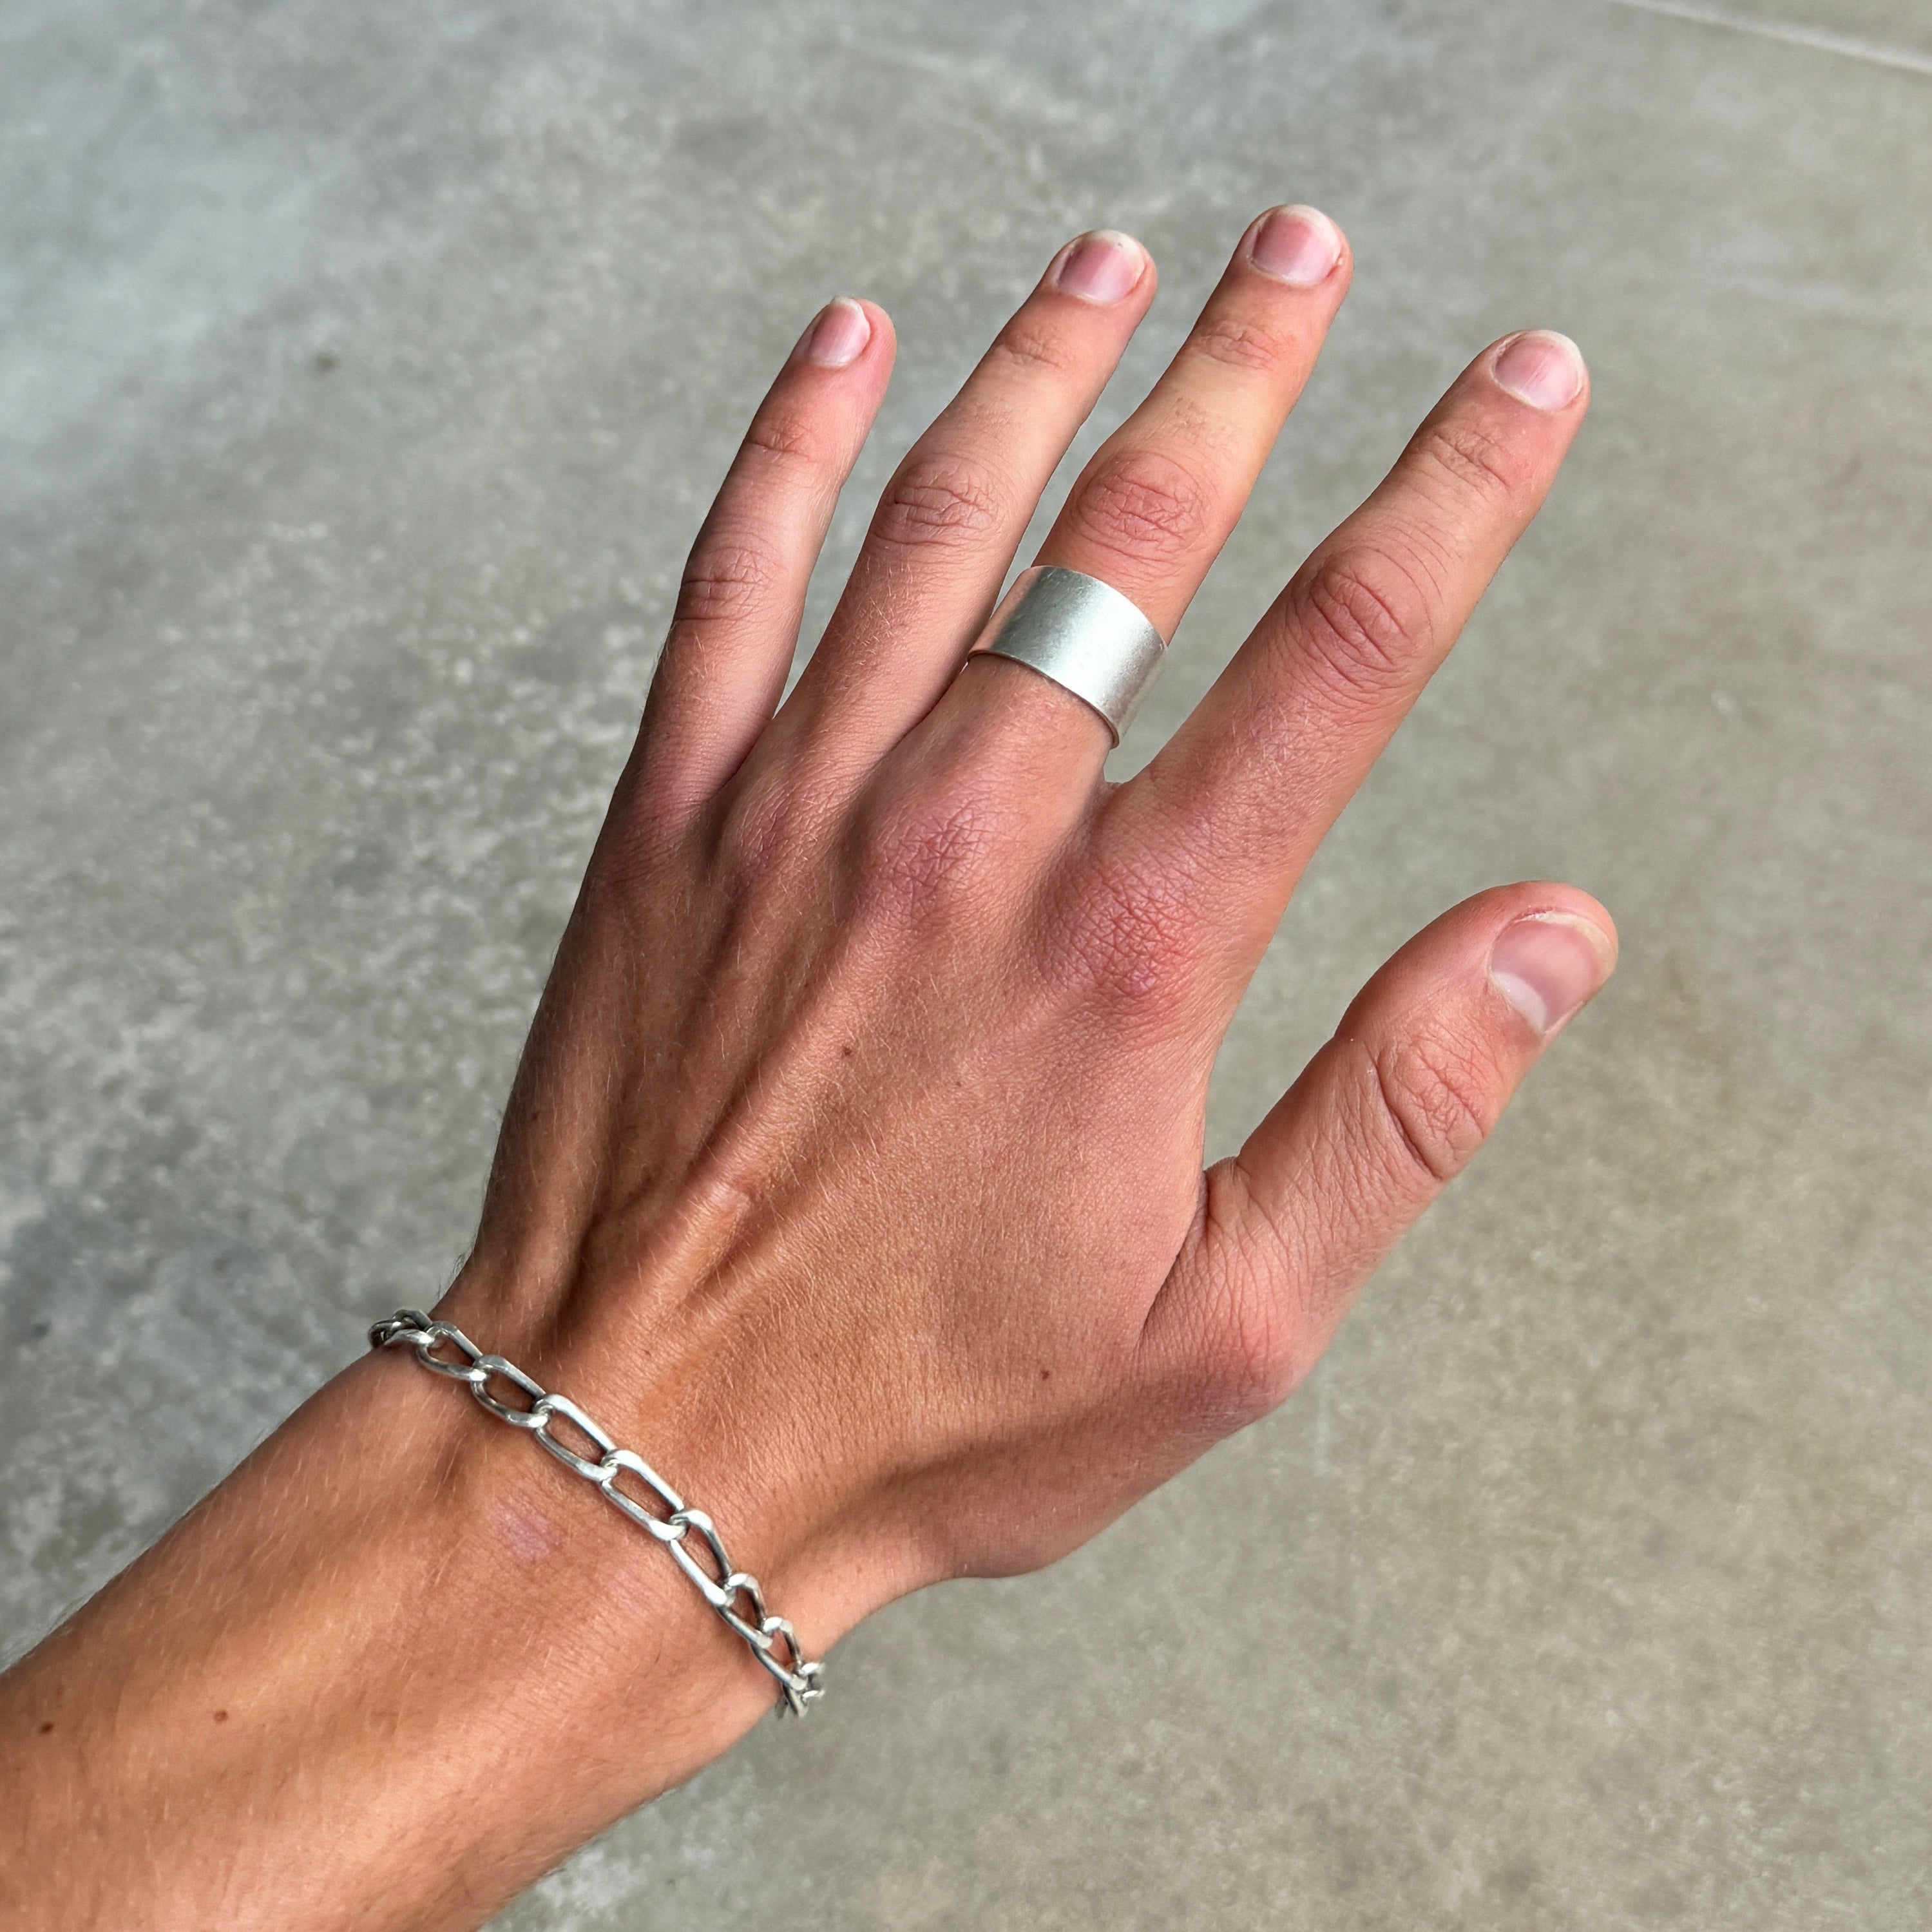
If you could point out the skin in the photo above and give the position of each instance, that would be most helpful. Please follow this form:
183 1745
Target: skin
853 1173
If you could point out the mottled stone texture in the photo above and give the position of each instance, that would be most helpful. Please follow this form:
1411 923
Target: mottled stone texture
364 371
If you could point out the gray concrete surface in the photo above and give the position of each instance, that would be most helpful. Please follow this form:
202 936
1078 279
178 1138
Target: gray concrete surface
364 370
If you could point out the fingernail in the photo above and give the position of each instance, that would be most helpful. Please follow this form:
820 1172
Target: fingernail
838 336
1548 964
1299 246
1541 368
1102 267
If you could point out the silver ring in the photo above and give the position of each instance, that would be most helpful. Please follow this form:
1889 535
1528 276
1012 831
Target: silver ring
1082 633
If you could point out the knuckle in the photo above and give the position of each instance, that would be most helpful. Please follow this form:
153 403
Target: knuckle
939 500
1255 1363
1132 942
1029 351
732 575
1366 622
765 828
922 858
1466 457
778 440
1256 1347
1437 1096
749 834
1141 503
1236 343
638 859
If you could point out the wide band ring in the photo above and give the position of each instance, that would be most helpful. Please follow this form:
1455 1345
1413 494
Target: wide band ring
1083 634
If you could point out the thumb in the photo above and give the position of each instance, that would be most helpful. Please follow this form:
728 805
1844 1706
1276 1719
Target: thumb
1383 1117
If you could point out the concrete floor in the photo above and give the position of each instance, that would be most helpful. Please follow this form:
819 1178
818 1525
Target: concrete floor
363 370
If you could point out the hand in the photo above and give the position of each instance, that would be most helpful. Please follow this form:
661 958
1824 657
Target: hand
856 1151
853 1172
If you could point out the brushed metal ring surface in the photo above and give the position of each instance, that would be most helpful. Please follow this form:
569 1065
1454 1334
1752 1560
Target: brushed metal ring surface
1083 634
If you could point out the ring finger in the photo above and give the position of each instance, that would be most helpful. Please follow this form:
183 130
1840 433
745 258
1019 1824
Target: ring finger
950 520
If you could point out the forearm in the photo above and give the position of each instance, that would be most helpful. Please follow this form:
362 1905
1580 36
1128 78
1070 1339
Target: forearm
389 1673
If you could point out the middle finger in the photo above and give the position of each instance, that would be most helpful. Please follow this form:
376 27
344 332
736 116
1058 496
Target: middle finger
1150 512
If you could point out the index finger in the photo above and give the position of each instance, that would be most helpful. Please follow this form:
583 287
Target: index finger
1244 793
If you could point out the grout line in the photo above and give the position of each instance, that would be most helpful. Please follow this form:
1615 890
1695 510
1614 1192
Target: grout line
1793 33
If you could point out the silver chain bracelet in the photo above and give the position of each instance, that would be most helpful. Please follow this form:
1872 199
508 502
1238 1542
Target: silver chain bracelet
733 1594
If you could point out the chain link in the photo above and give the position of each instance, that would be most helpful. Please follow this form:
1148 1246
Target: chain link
733 1594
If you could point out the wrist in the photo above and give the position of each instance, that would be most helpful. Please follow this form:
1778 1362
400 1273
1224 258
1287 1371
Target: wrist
391 1643
561 1608
697 1398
